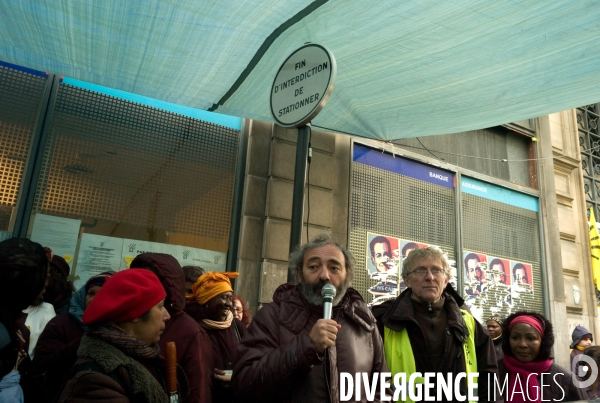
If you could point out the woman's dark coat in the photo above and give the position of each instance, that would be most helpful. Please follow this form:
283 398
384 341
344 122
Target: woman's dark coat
224 344
194 351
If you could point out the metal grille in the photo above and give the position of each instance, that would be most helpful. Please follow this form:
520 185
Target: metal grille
589 146
506 232
132 165
396 206
21 95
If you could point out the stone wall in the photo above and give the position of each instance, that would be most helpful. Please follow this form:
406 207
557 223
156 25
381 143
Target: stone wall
565 222
266 221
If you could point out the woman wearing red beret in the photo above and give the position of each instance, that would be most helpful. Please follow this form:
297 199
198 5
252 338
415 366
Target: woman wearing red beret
119 357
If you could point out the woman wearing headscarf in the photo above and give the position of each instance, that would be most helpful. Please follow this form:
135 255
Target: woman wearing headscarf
23 276
118 359
210 305
494 328
56 349
527 362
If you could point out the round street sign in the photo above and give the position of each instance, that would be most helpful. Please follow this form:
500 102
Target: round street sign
303 85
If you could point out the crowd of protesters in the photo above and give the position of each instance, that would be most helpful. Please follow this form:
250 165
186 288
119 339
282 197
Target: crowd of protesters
107 340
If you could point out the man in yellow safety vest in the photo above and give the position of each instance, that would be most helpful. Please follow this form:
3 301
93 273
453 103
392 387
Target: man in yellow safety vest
430 340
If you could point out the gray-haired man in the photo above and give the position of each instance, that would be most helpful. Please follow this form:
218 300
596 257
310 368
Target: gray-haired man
290 353
427 324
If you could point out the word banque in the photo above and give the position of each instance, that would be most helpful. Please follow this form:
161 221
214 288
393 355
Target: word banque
436 386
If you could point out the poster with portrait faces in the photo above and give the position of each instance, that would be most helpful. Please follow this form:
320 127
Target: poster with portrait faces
383 255
498 294
499 271
522 285
384 264
495 286
409 246
521 276
475 273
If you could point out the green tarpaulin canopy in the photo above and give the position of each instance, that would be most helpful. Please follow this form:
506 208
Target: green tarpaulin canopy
405 68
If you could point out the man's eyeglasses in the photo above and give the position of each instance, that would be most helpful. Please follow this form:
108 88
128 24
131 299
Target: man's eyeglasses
421 272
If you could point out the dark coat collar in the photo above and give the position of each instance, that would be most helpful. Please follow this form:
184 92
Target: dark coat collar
402 312
295 310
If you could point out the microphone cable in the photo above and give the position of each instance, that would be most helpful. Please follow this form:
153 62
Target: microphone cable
325 361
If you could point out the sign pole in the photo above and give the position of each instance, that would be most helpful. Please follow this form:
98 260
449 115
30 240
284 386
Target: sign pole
302 149
301 88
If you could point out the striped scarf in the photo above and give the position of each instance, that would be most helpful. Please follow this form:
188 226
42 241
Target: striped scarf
129 345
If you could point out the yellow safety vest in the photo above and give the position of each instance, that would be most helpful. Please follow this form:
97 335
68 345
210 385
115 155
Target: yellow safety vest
400 358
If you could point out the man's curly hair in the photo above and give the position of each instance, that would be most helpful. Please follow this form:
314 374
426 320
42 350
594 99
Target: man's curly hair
297 256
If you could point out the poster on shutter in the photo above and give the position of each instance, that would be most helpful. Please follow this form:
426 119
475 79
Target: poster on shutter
383 291
383 256
476 284
522 285
499 296
496 286
475 273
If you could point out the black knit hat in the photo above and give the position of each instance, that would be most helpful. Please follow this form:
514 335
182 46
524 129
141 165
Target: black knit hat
578 333
23 272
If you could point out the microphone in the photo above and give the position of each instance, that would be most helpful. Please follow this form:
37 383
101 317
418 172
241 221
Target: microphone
328 293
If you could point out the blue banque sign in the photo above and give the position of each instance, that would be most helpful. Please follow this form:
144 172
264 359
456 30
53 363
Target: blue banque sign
403 166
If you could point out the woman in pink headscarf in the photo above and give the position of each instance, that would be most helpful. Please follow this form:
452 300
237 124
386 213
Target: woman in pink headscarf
527 362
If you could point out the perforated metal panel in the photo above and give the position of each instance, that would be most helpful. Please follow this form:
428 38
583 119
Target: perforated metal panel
21 95
507 232
124 164
398 206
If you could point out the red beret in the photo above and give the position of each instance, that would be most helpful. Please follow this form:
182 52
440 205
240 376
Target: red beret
125 296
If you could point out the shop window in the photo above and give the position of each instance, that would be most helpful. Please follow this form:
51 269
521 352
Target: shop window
21 96
119 178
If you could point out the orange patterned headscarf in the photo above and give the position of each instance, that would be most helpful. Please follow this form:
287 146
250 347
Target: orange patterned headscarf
211 284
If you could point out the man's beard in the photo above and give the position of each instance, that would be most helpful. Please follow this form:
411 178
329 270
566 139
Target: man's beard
312 292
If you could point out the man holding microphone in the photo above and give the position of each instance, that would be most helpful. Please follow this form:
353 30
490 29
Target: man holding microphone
291 353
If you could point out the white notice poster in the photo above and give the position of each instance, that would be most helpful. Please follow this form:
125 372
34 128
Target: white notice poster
58 233
207 259
97 253
132 248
